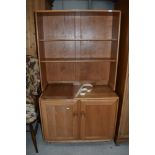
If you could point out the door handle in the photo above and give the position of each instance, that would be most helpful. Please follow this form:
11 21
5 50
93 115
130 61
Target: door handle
75 114
83 113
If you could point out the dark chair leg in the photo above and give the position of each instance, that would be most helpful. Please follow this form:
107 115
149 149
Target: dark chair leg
33 135
36 127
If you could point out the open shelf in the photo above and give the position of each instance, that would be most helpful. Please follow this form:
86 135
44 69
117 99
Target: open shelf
99 91
69 91
78 60
78 45
99 71
58 91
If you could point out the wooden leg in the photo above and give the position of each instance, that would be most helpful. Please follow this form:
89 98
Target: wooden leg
33 135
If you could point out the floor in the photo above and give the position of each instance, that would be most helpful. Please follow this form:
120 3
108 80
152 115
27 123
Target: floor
97 148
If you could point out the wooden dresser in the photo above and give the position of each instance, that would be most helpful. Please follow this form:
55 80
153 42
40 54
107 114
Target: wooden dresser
77 47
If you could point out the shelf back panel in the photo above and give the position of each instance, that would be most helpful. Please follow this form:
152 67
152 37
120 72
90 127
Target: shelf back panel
93 71
60 71
60 49
59 26
94 49
95 26
68 49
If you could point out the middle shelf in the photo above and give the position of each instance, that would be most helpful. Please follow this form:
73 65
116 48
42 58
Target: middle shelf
77 60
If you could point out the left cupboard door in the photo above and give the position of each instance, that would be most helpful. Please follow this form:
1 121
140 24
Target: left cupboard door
59 119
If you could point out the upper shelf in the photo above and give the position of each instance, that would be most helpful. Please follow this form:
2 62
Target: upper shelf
78 10
78 26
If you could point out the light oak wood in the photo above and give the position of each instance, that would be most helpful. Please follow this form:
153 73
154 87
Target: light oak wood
93 71
76 47
77 38
43 76
78 141
74 43
63 30
57 91
59 119
105 12
60 71
112 75
98 119
94 49
69 91
87 37
78 119
91 30
59 49
99 92
77 60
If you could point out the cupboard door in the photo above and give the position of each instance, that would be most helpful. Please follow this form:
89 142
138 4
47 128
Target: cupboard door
98 119
59 119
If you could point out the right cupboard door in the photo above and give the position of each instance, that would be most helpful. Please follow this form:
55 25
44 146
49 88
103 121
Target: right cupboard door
98 118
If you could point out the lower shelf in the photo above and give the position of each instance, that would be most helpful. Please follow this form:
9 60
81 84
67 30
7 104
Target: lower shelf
69 91
58 91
